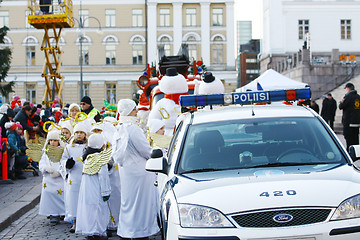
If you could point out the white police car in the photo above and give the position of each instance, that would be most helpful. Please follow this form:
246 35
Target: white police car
256 172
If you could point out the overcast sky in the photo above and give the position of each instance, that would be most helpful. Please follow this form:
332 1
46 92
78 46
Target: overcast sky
250 10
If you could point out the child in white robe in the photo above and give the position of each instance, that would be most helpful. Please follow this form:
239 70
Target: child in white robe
93 212
52 194
71 167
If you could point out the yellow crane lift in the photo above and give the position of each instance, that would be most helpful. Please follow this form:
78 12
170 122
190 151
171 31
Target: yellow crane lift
52 16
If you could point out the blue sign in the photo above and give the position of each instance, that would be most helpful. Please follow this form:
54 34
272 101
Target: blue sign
251 97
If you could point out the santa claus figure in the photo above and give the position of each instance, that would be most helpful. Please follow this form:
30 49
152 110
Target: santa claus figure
173 85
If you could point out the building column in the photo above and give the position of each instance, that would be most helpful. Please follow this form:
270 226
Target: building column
151 32
205 32
177 26
230 37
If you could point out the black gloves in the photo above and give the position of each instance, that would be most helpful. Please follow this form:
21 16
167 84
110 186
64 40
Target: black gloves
106 198
109 166
70 163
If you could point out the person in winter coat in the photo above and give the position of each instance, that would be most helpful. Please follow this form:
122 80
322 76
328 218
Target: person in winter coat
131 150
7 117
328 110
350 105
88 108
17 164
71 167
52 193
24 117
93 213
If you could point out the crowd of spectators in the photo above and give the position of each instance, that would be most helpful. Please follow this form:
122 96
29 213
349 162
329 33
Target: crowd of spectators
22 122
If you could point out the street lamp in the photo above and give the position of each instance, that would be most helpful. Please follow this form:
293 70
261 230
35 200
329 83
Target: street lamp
81 23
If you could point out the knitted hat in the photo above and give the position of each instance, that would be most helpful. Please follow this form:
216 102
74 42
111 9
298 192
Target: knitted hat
86 99
13 126
111 120
96 141
125 106
18 125
8 125
74 105
98 126
155 125
67 125
80 128
53 135
10 112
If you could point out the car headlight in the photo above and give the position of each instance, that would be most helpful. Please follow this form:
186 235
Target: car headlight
350 208
192 216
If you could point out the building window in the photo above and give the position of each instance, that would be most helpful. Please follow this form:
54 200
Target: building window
110 54
137 54
191 41
218 51
86 89
85 55
84 17
217 17
165 42
164 17
4 18
137 18
110 17
191 17
345 28
303 28
31 93
111 93
30 56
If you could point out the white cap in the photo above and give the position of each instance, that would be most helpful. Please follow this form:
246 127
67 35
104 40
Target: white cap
53 135
125 106
96 141
96 126
111 120
67 125
155 125
74 105
80 128
8 125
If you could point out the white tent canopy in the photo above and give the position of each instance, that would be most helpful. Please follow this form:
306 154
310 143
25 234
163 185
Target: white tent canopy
272 80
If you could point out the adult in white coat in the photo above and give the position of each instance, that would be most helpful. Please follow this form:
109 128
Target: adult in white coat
71 167
93 211
52 193
168 109
138 211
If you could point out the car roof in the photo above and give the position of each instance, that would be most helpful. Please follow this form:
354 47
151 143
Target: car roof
250 112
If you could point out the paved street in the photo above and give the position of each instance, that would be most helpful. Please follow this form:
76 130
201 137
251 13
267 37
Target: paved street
32 226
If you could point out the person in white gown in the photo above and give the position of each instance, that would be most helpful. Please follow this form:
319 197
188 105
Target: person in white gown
131 150
71 167
93 213
52 193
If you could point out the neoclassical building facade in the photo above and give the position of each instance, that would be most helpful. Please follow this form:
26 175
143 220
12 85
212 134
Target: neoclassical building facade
116 40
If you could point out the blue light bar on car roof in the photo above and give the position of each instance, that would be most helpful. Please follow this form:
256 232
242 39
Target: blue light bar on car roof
245 97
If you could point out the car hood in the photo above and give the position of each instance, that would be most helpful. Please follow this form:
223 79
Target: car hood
251 189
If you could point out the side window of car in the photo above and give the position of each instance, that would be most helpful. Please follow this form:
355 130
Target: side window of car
174 142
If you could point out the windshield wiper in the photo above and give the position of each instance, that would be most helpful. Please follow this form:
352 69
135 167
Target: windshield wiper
287 164
202 170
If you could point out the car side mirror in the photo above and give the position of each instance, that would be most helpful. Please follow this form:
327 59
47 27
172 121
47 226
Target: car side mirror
354 152
157 163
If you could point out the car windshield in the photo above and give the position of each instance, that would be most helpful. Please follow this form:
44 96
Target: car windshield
269 142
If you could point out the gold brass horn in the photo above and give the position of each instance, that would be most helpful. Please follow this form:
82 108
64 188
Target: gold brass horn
52 126
79 118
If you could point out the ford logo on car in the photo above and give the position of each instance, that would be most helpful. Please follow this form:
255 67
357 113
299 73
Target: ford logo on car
283 218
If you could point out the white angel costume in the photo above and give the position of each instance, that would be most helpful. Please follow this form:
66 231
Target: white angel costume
168 108
138 211
93 213
52 193
72 176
